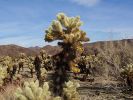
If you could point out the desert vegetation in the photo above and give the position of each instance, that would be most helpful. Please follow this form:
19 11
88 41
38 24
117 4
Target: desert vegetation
71 74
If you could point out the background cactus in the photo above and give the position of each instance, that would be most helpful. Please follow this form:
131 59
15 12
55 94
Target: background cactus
3 74
22 60
30 64
43 54
127 73
46 59
127 70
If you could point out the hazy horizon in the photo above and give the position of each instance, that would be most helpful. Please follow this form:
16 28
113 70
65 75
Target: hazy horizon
55 43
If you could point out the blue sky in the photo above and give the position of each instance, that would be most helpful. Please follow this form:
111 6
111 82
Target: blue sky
23 22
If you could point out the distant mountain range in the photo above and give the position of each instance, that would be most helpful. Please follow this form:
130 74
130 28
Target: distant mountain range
14 50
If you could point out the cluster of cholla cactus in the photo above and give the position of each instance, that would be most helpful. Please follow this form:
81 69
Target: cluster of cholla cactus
7 62
70 91
16 65
32 91
88 64
127 73
67 31
10 66
90 60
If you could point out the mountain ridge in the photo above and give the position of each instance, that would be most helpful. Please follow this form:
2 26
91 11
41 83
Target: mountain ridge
14 50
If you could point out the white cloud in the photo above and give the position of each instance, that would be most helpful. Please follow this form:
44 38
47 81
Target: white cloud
89 3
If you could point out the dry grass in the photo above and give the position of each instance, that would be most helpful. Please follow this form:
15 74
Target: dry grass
7 93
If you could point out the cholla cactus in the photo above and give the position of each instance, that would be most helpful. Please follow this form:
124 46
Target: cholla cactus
30 64
92 61
89 64
22 55
22 60
127 73
3 74
70 91
127 70
32 91
48 63
7 61
8 65
46 60
43 73
31 67
67 31
43 54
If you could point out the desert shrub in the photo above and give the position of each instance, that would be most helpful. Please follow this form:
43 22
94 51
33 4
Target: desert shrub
111 61
126 56
114 58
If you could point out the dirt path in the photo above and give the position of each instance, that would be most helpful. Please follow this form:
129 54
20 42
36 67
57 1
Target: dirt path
100 89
